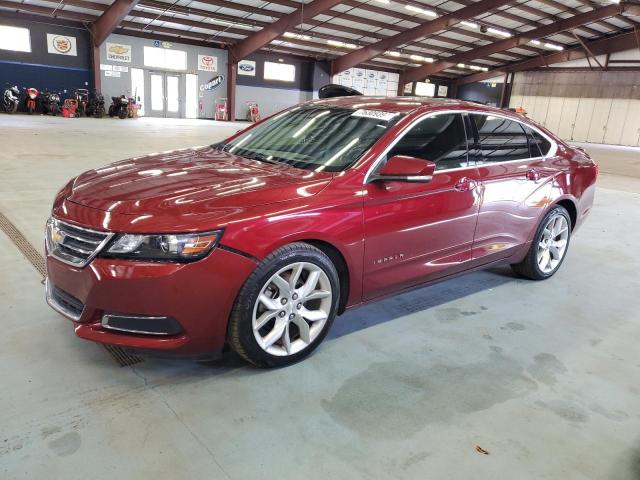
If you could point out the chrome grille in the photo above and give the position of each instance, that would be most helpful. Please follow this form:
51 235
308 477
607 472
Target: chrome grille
72 244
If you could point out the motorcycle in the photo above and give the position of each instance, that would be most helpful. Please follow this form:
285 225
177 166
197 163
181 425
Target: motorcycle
11 99
95 108
82 97
50 103
32 95
119 107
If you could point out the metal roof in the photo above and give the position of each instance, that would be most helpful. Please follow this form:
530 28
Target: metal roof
353 24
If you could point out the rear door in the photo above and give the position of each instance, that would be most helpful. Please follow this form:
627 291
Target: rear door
415 232
515 178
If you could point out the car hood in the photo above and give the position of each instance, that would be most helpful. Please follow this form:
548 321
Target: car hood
191 181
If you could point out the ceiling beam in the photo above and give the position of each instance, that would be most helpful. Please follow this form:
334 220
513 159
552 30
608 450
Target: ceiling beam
424 71
261 38
617 43
428 28
110 20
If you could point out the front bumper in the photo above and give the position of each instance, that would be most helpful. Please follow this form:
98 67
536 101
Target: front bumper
199 296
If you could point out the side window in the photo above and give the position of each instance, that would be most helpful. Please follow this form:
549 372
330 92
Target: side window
501 140
439 138
538 145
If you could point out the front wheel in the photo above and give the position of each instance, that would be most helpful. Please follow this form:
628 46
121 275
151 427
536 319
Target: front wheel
122 113
549 246
286 307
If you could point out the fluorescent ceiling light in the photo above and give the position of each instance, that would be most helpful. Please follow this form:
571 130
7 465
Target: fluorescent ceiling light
299 36
535 42
475 67
392 54
423 11
461 65
552 46
384 1
420 58
230 24
469 24
337 43
501 33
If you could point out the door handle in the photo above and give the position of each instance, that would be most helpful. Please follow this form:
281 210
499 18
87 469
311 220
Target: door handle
533 174
464 185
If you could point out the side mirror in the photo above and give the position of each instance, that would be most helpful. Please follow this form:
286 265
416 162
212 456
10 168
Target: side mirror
401 168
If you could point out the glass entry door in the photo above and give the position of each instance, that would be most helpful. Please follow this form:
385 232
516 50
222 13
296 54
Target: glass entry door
165 95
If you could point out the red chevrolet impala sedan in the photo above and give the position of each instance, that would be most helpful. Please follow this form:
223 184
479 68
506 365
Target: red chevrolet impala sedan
259 241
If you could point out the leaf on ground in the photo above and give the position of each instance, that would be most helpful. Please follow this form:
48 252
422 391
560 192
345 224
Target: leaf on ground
481 450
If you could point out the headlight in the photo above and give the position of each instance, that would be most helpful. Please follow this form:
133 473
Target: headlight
167 247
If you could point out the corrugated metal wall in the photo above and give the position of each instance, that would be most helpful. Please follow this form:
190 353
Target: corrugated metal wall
597 107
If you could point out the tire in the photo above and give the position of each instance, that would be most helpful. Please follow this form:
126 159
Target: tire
537 265
122 114
54 110
284 320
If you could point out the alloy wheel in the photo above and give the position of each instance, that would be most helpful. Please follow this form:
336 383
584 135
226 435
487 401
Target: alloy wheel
292 309
553 243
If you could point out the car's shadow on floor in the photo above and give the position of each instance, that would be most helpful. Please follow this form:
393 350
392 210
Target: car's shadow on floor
421 299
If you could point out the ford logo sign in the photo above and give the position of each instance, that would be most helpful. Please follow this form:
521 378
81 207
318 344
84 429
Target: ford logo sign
245 67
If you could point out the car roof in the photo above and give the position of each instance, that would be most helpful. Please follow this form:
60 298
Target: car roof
397 104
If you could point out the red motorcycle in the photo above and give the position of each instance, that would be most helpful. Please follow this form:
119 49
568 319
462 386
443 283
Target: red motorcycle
32 99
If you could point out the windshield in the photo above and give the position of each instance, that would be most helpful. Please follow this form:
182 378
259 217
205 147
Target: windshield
314 137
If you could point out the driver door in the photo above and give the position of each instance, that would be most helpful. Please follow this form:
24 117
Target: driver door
416 232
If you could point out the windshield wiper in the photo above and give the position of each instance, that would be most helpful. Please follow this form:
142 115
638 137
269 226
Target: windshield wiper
261 157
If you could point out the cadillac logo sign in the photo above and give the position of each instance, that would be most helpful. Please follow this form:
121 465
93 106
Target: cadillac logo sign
61 44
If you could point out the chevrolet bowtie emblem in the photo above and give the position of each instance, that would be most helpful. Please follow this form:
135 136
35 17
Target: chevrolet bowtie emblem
56 235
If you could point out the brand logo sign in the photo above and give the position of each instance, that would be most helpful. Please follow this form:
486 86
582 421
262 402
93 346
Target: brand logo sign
158 44
247 67
61 44
207 63
212 84
118 52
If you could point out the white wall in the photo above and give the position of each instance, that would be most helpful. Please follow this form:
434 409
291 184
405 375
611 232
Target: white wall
269 100
594 107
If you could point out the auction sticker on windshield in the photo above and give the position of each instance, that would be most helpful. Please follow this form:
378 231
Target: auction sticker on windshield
375 114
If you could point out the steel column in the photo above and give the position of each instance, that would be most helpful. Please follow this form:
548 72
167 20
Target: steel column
261 38
110 19
232 72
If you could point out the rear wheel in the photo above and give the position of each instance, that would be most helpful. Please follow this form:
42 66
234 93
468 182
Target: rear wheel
286 307
122 113
549 246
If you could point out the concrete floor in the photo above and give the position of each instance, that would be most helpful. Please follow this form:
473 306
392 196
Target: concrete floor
542 375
